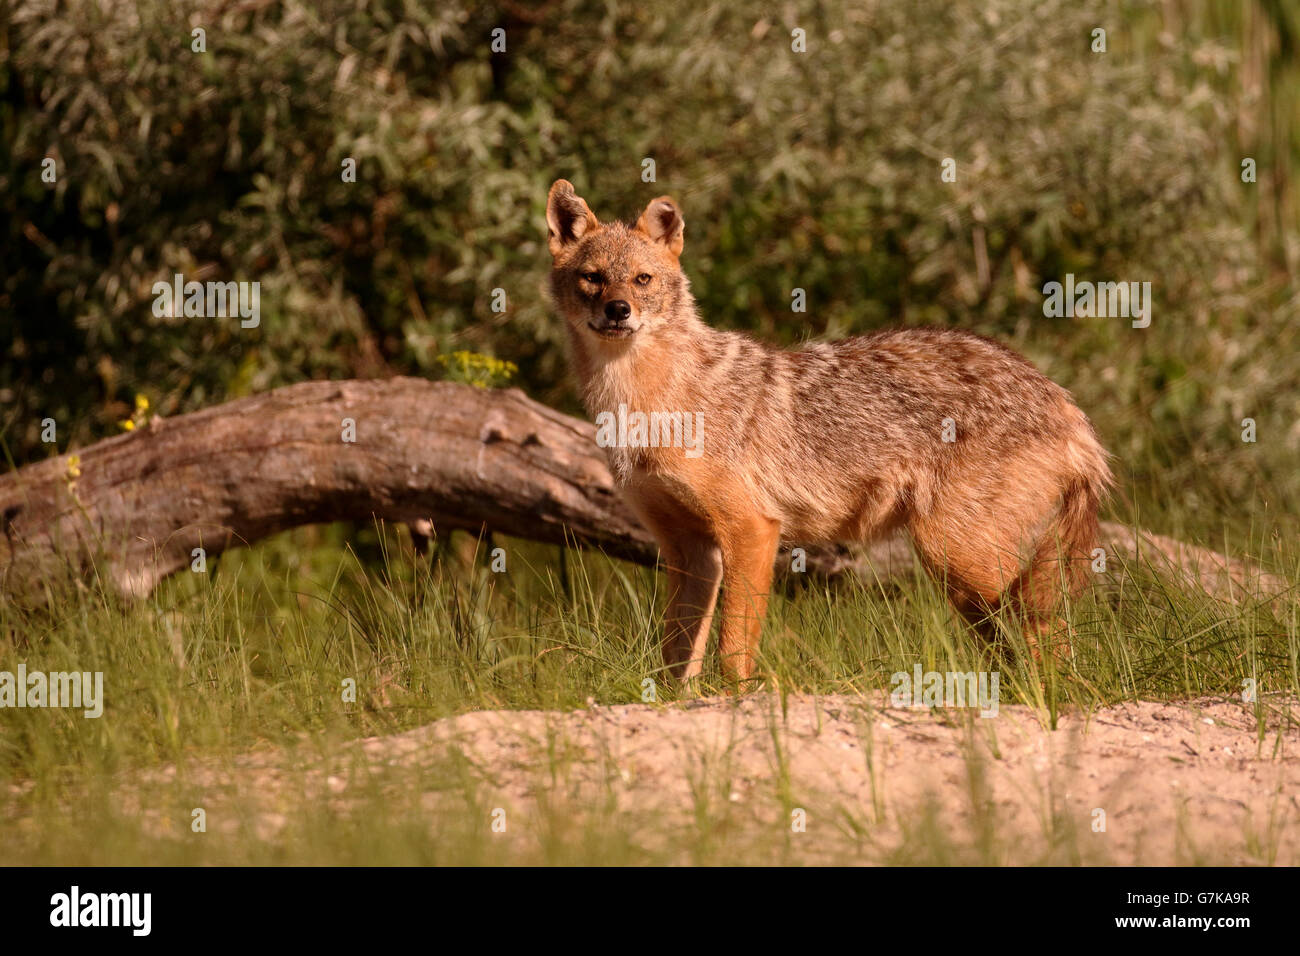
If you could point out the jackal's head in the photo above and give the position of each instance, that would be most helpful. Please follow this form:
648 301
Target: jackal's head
615 283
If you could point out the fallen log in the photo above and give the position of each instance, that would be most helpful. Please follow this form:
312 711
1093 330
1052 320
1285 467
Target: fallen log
426 454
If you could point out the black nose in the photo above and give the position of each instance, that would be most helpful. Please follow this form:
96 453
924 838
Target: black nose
617 310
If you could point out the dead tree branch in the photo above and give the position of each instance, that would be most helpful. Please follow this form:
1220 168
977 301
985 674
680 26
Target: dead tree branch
421 452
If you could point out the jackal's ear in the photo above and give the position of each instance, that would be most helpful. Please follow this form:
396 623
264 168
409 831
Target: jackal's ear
662 221
567 216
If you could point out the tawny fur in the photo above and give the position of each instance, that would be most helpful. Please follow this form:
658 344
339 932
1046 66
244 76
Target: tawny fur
831 441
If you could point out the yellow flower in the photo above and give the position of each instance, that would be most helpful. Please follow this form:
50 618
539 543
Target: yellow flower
478 370
140 416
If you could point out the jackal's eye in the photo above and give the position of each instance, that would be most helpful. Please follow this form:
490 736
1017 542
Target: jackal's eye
644 278
592 277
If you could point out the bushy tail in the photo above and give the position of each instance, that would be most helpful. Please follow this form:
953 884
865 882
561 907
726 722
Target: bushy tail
1062 562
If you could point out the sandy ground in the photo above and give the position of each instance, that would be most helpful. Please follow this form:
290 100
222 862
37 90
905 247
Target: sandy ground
1196 782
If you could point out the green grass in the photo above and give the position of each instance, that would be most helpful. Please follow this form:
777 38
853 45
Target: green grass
248 662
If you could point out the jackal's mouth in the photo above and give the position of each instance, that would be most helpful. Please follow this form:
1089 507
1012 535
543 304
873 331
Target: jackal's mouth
612 331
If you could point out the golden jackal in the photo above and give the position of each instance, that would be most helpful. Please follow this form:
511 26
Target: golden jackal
988 464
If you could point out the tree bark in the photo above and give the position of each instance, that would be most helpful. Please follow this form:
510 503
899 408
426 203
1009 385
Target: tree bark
426 454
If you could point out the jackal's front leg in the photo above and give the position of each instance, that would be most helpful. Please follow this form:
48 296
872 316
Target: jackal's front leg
694 566
693 563
749 545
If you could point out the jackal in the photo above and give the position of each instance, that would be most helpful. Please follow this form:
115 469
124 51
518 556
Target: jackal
989 465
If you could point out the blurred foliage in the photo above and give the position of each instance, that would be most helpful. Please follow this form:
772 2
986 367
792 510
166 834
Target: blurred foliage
817 170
